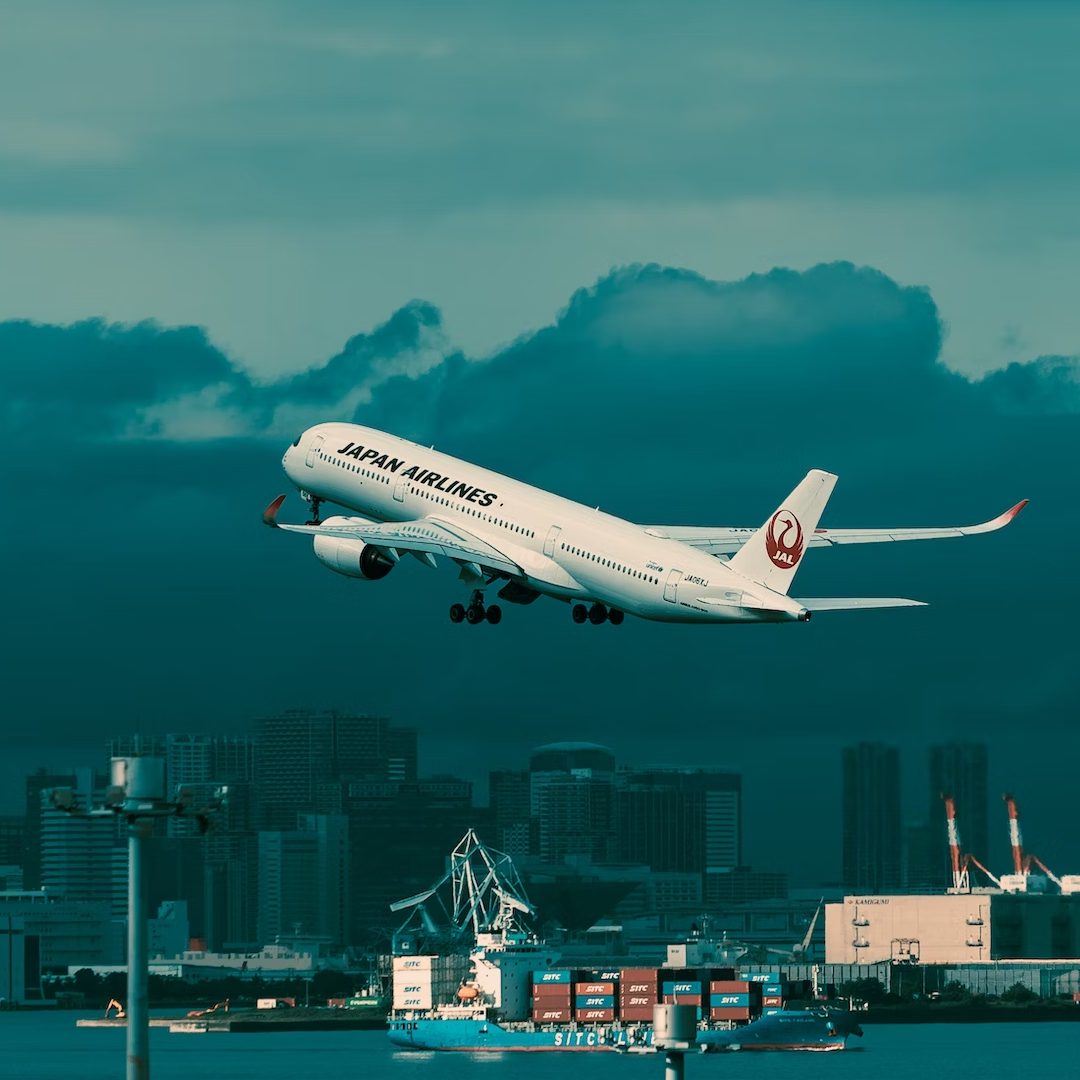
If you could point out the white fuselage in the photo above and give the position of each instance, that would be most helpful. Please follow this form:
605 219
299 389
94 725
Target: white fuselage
565 550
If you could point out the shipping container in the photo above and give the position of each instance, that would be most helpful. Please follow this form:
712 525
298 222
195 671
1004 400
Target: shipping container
595 988
602 974
682 987
646 975
731 986
770 1012
682 999
762 976
772 989
556 992
638 986
771 1001
552 1016
636 1012
546 977
637 1001
738 1001
729 1014
595 1001
595 1016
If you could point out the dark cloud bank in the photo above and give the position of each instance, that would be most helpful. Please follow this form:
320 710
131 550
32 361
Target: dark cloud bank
143 591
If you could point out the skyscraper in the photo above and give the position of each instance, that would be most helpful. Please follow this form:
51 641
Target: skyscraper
304 757
872 835
304 879
959 769
572 797
682 820
511 816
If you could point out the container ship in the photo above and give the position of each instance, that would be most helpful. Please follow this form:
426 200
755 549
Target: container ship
509 992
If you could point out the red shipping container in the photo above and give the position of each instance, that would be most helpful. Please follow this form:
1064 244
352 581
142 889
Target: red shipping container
637 1000
646 975
719 986
729 1014
636 1012
636 986
595 1016
551 992
551 1016
772 1002
682 999
595 988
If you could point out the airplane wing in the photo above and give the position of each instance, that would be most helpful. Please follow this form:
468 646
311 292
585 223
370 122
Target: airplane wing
425 536
725 541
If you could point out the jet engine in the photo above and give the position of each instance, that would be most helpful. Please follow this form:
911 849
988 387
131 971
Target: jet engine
353 558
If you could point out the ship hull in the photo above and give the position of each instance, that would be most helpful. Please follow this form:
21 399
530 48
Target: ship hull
788 1031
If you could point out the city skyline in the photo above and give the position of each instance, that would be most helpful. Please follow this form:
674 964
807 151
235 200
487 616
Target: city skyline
182 749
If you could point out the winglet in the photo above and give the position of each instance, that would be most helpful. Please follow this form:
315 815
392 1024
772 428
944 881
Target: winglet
1004 519
271 512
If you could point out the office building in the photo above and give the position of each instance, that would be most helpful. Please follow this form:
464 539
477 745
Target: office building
871 818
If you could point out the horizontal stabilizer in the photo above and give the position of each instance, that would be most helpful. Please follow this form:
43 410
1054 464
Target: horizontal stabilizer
850 603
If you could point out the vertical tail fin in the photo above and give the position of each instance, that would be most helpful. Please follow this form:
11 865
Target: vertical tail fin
772 555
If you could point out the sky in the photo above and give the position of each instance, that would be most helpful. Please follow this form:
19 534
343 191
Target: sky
661 260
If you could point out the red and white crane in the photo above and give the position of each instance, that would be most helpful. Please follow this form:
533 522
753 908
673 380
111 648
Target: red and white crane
960 862
1020 879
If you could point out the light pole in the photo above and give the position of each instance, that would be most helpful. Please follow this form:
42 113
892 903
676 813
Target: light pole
137 793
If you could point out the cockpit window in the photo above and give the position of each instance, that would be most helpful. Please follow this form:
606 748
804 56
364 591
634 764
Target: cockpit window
296 441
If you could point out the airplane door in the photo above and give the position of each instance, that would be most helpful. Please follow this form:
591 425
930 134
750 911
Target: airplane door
313 450
672 585
400 490
552 536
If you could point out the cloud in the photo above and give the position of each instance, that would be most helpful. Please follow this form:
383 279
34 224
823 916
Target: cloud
140 456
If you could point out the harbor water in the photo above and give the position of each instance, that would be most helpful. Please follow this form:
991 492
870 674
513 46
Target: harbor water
48 1046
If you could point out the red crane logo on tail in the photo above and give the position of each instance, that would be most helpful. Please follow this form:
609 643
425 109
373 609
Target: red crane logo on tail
784 540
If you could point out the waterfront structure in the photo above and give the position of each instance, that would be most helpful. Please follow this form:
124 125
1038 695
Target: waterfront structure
958 928
871 818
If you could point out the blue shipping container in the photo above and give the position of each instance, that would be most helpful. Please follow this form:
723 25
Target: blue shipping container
682 988
773 989
595 1001
762 976
770 1012
542 977
729 1001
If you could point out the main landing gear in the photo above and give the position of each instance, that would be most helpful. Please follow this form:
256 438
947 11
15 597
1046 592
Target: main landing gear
315 503
596 614
476 612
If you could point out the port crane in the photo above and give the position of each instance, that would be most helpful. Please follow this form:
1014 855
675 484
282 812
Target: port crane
1020 879
481 892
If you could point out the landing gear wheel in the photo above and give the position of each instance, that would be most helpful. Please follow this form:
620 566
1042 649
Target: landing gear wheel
597 614
615 617
475 614
457 613
494 614
315 503
580 613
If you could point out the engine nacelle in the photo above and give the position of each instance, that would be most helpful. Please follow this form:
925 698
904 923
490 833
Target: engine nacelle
353 558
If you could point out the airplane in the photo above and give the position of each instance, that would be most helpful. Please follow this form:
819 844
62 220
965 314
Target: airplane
407 499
